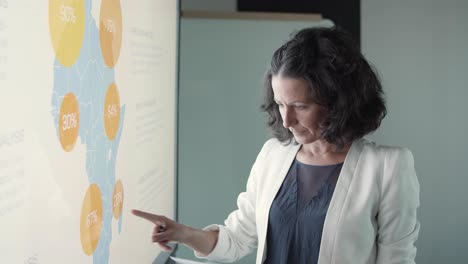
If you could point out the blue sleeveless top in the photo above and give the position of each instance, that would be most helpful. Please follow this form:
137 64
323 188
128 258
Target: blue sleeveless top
298 212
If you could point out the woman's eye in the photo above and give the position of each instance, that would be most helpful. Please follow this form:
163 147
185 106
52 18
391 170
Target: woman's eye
300 107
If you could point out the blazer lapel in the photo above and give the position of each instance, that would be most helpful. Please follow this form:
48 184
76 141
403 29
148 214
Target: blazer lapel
286 160
336 204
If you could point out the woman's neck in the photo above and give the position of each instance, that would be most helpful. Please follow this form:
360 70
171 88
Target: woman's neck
321 152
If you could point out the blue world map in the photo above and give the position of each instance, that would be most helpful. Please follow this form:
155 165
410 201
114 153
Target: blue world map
89 79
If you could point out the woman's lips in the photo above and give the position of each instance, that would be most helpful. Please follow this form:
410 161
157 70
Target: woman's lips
296 132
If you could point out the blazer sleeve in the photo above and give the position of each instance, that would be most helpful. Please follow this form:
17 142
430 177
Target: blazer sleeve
398 226
238 236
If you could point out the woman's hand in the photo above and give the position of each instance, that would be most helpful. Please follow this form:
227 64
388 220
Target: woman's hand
165 229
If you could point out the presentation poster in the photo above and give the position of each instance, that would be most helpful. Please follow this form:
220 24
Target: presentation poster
88 128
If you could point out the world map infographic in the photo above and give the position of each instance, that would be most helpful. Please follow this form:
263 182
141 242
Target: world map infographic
86 109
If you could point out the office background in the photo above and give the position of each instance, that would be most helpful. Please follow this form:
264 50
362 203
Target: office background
419 49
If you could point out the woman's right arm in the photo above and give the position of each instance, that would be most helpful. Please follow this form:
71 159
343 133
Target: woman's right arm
223 243
202 241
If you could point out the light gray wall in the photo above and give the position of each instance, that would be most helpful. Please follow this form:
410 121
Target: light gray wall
209 5
420 47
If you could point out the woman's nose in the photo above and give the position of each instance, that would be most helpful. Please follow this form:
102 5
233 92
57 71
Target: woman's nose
288 117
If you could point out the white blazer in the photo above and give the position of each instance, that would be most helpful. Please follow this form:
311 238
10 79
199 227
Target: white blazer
371 217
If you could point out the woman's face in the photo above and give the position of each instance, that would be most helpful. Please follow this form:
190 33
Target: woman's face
299 113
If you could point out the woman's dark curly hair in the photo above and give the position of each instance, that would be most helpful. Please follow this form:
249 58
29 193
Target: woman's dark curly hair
340 79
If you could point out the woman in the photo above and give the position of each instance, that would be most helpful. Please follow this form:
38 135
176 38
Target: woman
318 191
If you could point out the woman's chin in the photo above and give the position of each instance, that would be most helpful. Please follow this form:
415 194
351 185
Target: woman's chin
299 139
303 139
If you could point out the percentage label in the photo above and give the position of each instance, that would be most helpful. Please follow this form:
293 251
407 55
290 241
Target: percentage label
92 218
67 14
66 25
109 25
118 198
110 31
112 111
69 122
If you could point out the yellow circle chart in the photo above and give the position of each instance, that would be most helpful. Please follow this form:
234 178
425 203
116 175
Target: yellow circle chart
68 122
117 199
112 111
91 219
110 31
66 25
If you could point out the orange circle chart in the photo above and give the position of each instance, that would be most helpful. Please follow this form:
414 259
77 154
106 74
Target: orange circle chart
66 25
91 219
110 31
68 122
112 111
117 199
